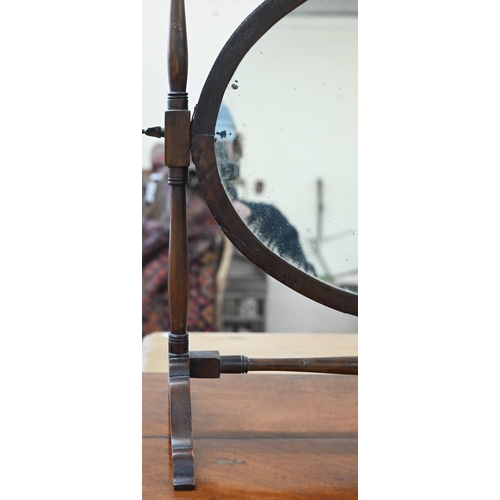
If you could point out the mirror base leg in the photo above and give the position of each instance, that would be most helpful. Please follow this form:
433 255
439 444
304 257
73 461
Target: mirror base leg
181 434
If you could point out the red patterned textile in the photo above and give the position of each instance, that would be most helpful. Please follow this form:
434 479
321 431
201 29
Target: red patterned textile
204 245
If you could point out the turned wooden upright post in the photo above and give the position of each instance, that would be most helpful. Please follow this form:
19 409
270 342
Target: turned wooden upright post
177 159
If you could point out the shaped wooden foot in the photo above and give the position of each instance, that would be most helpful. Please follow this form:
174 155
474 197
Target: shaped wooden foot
181 433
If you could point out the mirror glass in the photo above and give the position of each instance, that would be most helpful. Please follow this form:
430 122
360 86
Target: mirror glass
286 141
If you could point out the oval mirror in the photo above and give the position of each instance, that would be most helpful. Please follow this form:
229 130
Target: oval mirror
275 146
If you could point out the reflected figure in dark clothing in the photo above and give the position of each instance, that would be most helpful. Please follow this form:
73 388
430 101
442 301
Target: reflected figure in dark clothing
264 220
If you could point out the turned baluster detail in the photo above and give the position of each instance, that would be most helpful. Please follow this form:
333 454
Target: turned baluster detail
177 159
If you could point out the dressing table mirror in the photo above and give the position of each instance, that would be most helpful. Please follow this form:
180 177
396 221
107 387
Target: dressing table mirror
292 130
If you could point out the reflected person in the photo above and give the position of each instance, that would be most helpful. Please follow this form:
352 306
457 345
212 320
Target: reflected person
264 220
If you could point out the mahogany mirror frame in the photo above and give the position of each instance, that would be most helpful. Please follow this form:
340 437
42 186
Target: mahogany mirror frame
256 25
185 138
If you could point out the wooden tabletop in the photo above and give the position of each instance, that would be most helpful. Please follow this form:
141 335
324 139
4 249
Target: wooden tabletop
258 436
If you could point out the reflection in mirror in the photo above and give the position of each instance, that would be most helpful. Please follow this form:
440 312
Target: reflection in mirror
264 219
286 143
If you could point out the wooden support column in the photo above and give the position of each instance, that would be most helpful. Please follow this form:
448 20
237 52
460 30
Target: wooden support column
177 159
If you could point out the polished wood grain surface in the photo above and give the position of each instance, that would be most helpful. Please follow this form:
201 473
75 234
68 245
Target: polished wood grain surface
258 436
